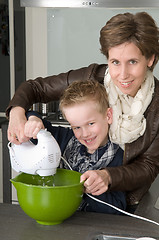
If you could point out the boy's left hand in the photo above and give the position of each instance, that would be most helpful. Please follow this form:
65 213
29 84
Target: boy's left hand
33 126
96 181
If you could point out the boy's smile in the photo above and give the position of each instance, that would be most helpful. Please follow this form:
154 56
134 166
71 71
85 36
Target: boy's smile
88 124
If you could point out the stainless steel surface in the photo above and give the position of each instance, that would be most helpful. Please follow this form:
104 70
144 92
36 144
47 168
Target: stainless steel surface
107 237
46 109
157 203
94 3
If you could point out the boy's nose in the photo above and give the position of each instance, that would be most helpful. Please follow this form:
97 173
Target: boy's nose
85 132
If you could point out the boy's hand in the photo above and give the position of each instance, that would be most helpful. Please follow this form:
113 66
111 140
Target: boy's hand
96 181
33 126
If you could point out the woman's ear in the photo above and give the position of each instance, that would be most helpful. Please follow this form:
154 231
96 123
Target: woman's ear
151 60
109 115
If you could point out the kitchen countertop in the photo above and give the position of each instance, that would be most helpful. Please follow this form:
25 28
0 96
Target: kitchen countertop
16 225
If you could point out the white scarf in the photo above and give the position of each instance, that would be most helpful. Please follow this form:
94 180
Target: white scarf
129 122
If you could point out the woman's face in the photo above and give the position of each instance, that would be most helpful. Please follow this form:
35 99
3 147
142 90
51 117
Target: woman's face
128 67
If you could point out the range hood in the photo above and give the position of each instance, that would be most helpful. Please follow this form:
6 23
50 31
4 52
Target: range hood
91 4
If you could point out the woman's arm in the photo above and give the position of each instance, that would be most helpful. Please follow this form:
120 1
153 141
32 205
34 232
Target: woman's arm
137 175
39 90
28 93
51 88
43 90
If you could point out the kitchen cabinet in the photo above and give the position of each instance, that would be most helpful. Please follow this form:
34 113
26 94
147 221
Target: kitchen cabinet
13 71
4 162
12 50
4 55
1 169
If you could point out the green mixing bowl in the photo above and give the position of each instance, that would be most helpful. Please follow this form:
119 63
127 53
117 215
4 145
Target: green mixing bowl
52 199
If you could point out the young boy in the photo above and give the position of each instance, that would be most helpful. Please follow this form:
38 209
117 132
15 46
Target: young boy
86 145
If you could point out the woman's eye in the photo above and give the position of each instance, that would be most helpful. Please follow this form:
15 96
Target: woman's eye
133 61
115 62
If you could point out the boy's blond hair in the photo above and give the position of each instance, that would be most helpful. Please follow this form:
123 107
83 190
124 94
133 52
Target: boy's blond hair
82 91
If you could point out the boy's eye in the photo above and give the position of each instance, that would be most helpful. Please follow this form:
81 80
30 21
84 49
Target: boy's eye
75 128
91 123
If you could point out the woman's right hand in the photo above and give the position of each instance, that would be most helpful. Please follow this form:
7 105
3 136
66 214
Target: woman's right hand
17 121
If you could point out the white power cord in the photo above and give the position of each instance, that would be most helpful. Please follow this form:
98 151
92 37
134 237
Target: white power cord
66 163
122 211
116 208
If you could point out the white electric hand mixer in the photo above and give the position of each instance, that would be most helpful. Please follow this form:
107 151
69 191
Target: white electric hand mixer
42 159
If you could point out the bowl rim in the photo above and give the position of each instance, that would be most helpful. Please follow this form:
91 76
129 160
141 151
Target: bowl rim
46 187
13 180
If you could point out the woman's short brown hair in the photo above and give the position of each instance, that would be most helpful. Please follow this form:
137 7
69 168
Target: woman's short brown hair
139 28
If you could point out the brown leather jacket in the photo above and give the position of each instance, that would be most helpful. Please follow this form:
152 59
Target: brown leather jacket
141 158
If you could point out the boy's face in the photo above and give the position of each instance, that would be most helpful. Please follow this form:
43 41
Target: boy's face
88 124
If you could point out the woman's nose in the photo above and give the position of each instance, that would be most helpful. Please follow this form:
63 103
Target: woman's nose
124 72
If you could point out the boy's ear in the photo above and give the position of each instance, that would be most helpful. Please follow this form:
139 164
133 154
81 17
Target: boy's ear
109 115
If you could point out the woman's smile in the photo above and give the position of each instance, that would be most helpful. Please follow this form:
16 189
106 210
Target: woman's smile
126 84
128 67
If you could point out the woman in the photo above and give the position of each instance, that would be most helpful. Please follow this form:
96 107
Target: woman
131 45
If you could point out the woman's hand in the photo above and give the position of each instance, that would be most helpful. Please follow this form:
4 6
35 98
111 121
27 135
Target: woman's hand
17 120
33 126
96 181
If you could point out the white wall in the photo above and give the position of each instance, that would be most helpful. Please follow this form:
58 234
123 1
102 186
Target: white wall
36 42
58 40
73 36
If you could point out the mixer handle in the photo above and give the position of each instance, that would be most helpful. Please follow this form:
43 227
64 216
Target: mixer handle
10 148
43 134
